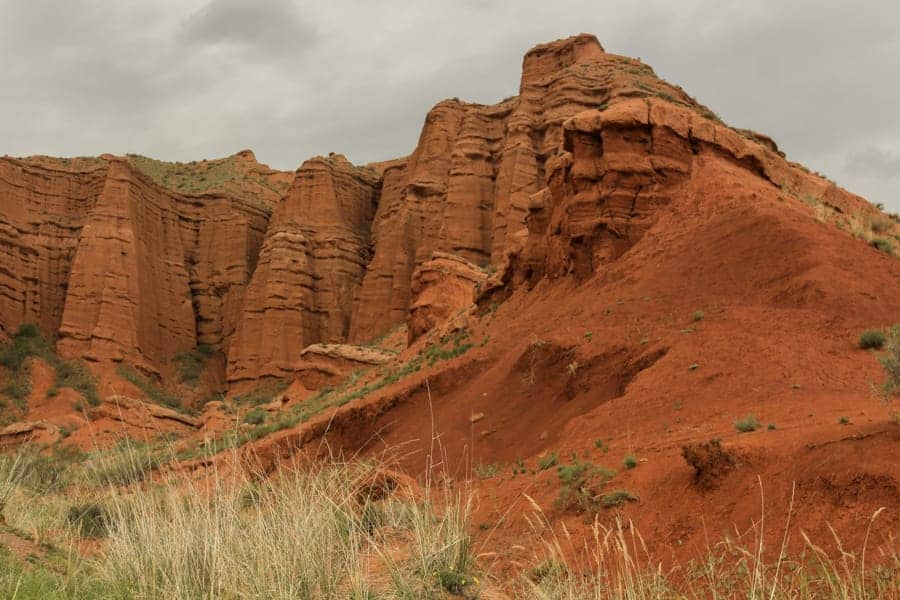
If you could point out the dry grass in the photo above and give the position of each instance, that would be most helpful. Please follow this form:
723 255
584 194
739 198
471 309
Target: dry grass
314 531
620 568
355 530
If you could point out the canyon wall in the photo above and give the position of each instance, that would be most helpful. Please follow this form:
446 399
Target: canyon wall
118 267
134 260
310 268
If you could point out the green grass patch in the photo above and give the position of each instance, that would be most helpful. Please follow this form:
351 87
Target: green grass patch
263 393
150 389
191 364
256 416
617 498
547 461
747 424
883 244
449 347
581 481
28 342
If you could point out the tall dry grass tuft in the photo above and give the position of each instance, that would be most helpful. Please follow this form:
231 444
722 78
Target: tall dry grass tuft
620 568
317 531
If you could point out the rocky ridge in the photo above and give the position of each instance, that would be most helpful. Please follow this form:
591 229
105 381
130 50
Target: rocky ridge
131 260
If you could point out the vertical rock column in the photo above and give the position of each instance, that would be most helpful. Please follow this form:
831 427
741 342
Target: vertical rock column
129 298
310 269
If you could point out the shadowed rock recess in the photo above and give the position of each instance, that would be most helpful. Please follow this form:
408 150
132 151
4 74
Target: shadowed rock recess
130 260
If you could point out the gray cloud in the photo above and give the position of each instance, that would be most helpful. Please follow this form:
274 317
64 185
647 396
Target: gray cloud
270 26
875 162
185 79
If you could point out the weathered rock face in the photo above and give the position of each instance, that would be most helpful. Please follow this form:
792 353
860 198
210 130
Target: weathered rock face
43 206
618 166
223 238
466 188
120 268
129 295
310 268
328 364
441 288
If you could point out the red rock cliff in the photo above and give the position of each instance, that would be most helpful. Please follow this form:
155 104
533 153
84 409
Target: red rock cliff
310 268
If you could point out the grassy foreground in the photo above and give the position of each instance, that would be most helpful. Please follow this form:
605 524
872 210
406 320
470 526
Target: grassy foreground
100 527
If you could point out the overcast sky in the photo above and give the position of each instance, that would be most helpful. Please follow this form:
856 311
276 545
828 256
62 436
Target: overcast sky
190 79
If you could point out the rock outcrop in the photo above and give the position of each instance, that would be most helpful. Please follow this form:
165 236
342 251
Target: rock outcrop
466 188
441 288
327 364
619 165
129 295
43 206
124 269
310 268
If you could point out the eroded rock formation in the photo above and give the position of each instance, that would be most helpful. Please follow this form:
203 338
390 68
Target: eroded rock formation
619 165
120 268
441 288
310 268
133 260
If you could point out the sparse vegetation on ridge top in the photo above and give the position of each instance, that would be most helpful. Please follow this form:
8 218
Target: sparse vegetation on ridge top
196 177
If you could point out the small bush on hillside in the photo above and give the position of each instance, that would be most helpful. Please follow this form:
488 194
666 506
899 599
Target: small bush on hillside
263 393
75 375
697 316
630 462
26 342
257 416
580 485
883 245
90 520
550 460
747 424
617 498
873 338
891 364
150 389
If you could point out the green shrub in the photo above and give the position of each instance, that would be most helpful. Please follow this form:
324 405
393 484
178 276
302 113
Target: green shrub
547 461
617 498
257 416
191 364
630 462
891 364
18 389
697 316
883 245
26 342
747 424
90 520
580 482
872 338
75 375
263 393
